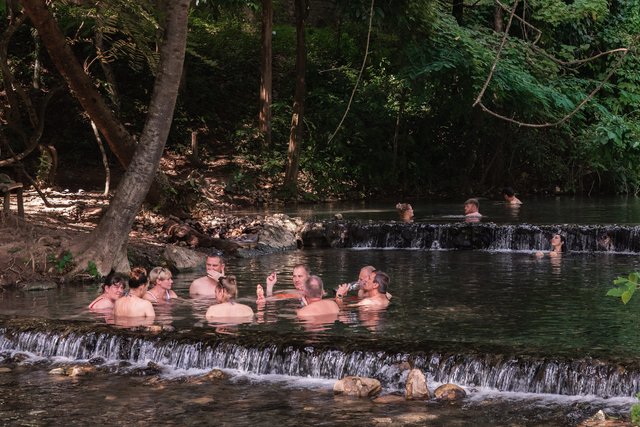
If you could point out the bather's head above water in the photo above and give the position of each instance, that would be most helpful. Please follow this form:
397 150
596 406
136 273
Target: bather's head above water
405 211
301 274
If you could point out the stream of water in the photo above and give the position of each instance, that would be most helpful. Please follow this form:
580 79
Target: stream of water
534 341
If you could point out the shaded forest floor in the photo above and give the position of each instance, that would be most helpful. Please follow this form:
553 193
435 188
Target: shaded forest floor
33 249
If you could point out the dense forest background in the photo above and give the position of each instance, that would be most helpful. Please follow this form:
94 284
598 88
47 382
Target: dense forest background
416 98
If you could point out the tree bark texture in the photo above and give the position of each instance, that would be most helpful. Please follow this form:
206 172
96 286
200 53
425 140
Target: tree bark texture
295 137
107 243
457 10
498 22
266 73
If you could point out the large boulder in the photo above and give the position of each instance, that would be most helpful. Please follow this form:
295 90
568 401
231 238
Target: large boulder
357 386
183 258
277 233
449 392
416 387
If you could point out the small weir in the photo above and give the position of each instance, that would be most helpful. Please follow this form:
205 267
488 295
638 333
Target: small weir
329 359
487 236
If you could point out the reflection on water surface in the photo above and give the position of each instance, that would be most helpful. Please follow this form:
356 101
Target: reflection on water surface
554 306
462 298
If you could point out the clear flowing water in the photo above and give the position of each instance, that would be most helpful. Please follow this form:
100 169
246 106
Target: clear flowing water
512 300
484 304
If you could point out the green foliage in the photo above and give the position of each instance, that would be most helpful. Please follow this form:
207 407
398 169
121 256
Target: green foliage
62 262
625 287
92 269
411 126
635 412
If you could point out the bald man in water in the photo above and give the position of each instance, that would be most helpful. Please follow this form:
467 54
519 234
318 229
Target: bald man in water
315 306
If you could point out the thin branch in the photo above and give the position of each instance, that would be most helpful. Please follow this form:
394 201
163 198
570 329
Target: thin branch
34 139
497 58
549 56
486 109
364 61
568 116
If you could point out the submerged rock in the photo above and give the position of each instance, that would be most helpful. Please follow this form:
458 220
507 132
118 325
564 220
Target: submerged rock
58 371
215 374
38 286
357 386
78 371
152 368
601 419
389 398
449 392
72 371
5 370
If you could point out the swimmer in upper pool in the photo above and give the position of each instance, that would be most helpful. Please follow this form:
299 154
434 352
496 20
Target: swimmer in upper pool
472 210
558 246
405 211
510 196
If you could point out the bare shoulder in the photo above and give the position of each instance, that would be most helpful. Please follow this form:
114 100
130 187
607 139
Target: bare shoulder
326 306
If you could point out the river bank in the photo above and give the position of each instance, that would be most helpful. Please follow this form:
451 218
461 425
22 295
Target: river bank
34 249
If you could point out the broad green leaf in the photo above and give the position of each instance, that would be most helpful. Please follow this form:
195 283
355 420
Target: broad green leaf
615 292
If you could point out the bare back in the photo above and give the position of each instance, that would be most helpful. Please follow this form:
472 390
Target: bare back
227 310
133 306
325 307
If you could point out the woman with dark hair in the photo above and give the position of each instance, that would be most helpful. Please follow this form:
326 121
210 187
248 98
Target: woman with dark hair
112 289
226 307
133 305
558 246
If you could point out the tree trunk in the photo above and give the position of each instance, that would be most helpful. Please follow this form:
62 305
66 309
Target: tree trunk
457 10
498 24
106 246
295 137
120 141
266 71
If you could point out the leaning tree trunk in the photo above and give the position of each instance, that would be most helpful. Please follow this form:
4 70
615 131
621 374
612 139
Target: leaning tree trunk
295 137
266 72
118 138
120 141
106 246
498 24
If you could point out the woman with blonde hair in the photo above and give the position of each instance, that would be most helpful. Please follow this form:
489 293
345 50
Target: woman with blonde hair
162 280
226 307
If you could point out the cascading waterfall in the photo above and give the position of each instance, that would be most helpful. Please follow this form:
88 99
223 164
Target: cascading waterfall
488 236
517 373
